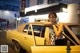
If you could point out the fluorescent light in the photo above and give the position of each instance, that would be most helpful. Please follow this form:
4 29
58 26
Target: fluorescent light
6 12
64 9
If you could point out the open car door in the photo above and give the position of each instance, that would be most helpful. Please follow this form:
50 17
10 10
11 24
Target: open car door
68 48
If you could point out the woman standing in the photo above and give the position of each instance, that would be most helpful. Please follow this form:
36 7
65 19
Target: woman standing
56 29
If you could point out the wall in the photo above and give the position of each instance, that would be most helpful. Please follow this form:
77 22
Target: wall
32 3
9 15
62 16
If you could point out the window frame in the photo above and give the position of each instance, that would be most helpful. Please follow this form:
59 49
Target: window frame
40 2
27 3
51 1
42 27
26 30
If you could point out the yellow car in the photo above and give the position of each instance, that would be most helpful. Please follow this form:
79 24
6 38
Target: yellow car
34 38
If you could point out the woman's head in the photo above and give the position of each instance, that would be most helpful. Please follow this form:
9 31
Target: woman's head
52 16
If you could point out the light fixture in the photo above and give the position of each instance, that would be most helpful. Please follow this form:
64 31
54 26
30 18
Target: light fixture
64 9
19 18
35 10
7 12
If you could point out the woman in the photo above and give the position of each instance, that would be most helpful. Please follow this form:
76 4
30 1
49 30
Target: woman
56 30
52 17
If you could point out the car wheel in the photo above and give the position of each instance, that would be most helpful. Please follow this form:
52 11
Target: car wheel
17 46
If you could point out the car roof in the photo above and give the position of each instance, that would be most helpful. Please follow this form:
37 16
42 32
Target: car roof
73 24
39 23
22 26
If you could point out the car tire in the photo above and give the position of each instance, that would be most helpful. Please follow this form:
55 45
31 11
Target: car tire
18 48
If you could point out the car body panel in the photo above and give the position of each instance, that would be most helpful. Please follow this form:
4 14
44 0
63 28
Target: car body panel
55 49
36 44
48 49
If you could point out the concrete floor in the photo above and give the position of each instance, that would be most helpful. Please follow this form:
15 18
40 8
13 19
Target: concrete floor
3 41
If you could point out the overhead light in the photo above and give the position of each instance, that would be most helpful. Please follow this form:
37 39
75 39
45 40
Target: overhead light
35 10
19 18
64 9
24 12
7 12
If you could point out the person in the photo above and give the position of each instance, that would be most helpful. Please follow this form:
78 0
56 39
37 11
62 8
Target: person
55 31
7 23
52 17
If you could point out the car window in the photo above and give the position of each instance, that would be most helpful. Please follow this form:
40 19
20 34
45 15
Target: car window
29 31
26 28
76 31
39 30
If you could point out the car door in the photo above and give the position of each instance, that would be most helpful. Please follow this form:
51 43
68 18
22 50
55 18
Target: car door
66 45
47 48
60 44
28 38
71 31
71 42
39 32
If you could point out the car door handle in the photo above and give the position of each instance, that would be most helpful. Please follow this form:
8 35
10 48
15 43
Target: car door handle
25 37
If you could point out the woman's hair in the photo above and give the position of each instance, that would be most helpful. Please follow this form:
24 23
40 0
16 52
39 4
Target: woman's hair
52 13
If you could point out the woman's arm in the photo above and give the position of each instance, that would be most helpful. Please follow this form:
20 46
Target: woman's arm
58 29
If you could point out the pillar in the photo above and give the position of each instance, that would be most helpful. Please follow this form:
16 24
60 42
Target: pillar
72 13
73 16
